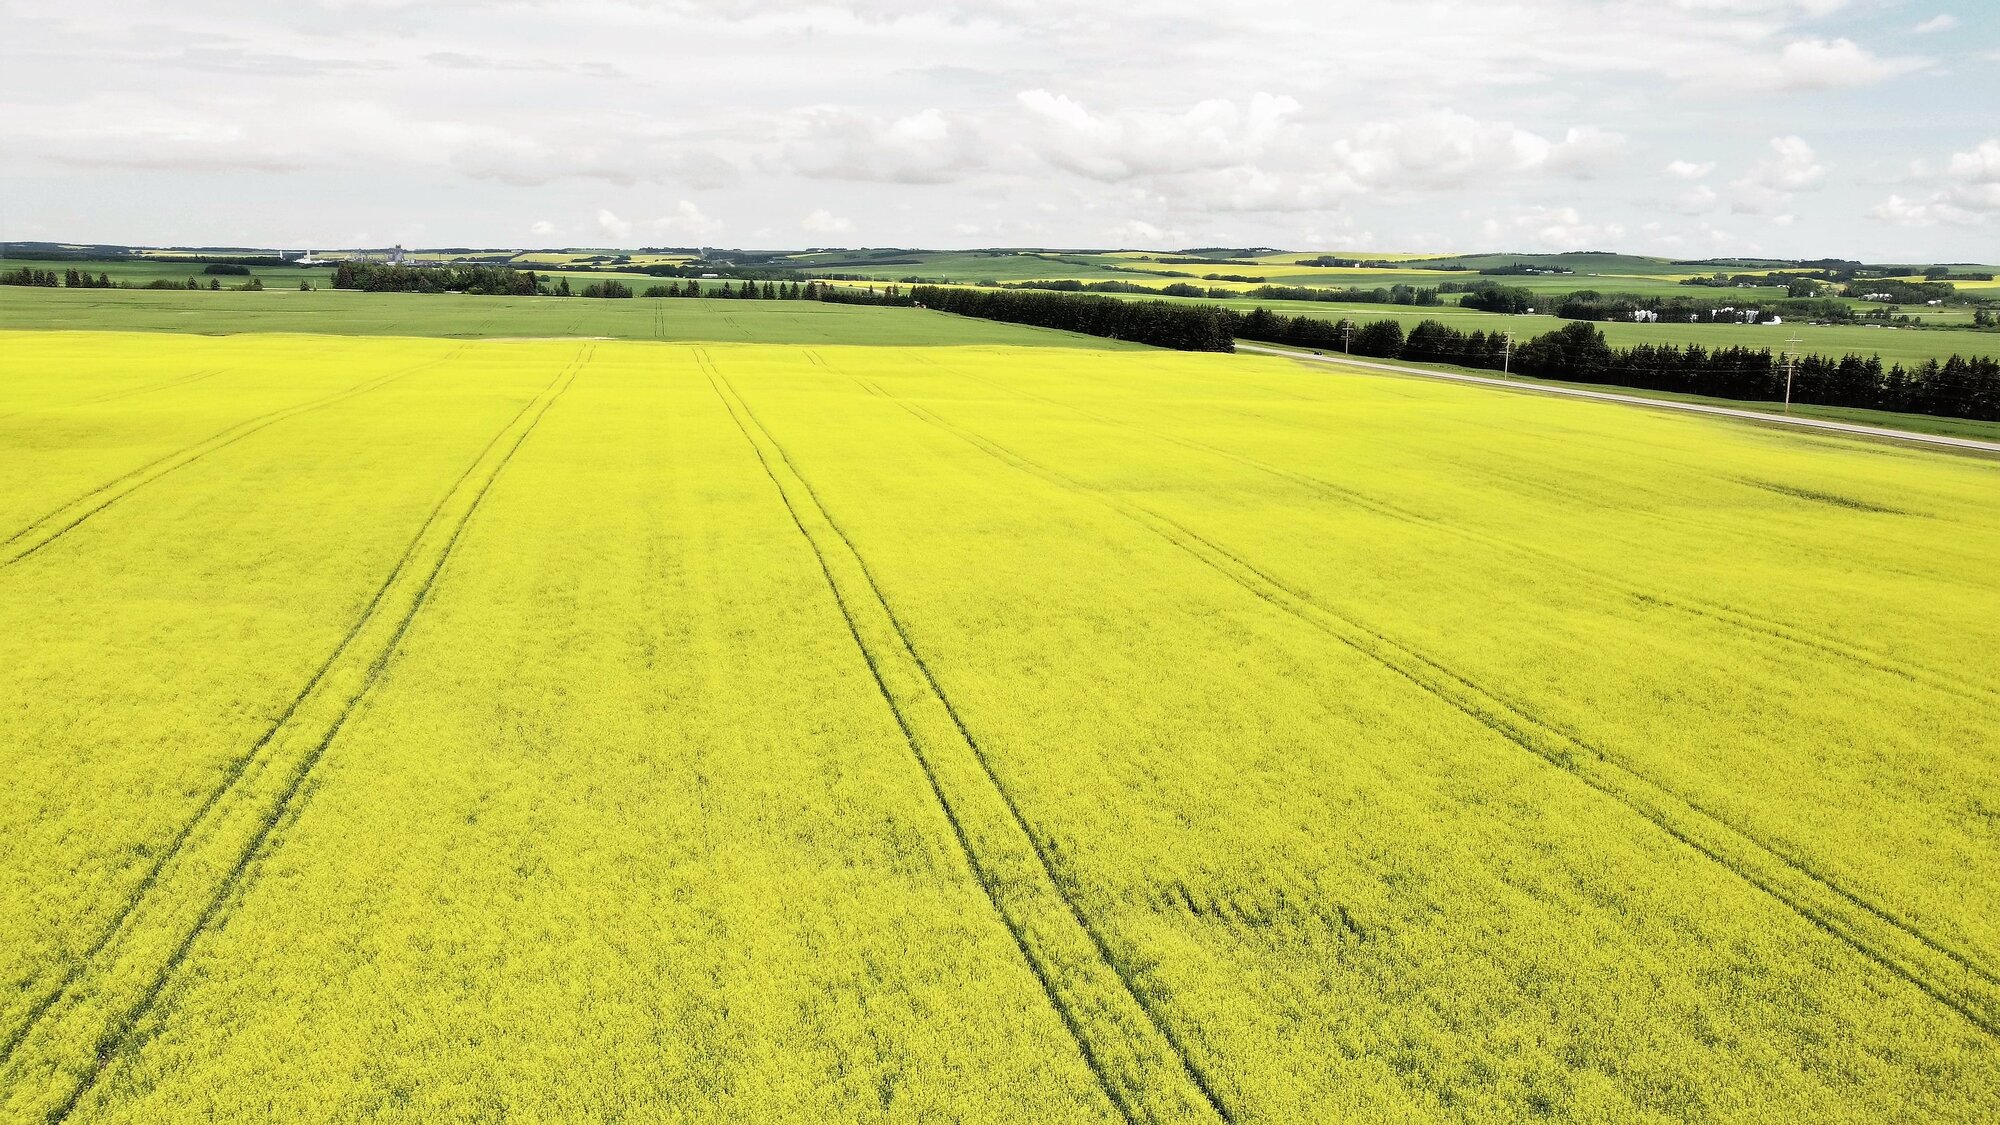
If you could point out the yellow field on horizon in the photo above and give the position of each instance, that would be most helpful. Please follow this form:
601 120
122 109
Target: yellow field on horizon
445 730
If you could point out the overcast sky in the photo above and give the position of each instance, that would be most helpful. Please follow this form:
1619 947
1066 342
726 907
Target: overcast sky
1857 128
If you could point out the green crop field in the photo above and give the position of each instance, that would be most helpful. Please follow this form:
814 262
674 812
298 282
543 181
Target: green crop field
141 271
1606 273
446 730
1893 344
342 313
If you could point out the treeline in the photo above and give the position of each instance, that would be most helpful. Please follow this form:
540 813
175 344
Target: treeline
382 277
1745 280
1588 304
1390 295
1330 261
733 272
1382 339
250 285
50 279
1071 285
1411 295
1959 387
1194 328
1490 297
755 291
1902 292
377 277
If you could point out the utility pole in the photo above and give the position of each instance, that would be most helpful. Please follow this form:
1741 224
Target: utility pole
1346 337
1791 366
1506 354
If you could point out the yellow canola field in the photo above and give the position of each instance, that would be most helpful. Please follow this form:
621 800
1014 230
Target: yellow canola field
569 730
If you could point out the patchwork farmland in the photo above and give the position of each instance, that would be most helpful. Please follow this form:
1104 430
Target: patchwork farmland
828 713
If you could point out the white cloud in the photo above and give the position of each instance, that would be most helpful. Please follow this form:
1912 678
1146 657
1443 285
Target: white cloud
542 227
1114 146
927 147
1138 234
1697 200
1398 159
1919 213
1980 166
613 226
1943 21
1792 167
822 221
1830 64
1447 149
1052 121
1549 228
1967 192
686 220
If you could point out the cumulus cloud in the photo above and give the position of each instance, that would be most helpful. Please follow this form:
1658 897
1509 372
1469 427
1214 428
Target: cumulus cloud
1697 200
1447 149
1943 21
1792 167
1265 170
1903 212
1550 228
1830 64
1141 235
1051 121
612 226
1118 145
823 221
926 147
686 220
1966 192
149 132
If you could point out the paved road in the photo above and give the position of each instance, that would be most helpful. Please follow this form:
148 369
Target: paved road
1638 400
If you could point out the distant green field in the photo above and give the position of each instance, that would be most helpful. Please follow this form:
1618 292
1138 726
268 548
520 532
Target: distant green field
1612 273
139 271
1894 345
341 313
1606 273
972 266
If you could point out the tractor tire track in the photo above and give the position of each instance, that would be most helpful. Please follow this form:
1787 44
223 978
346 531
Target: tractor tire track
53 526
179 381
173 381
1942 972
190 888
1141 1065
1942 680
234 771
